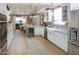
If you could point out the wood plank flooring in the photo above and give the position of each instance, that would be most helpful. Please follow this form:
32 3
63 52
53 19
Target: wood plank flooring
23 45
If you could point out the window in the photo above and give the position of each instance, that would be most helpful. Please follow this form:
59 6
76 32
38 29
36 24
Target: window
18 20
58 16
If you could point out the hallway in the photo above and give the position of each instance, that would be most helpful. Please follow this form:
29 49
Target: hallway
23 45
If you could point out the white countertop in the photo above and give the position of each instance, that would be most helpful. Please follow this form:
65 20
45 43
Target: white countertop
36 26
50 29
58 30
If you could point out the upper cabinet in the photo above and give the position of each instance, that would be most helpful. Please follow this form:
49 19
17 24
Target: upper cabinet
74 6
61 15
74 15
65 13
74 19
48 16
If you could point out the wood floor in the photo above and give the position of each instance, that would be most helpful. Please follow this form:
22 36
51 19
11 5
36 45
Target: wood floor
23 45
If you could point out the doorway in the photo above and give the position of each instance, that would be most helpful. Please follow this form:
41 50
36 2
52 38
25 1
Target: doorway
20 23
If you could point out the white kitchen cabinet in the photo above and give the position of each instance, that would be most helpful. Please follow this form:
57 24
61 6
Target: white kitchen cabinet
36 30
49 35
74 6
9 38
59 39
39 31
74 19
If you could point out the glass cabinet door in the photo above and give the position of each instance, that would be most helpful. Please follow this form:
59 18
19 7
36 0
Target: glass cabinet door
65 13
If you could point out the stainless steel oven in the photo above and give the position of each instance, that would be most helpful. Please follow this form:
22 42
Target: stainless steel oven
74 35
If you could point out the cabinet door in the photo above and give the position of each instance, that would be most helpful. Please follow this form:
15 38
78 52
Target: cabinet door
74 19
74 6
49 35
55 38
61 40
64 42
36 31
52 36
65 13
73 49
41 31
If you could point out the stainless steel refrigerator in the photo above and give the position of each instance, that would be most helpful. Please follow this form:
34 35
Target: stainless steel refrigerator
73 42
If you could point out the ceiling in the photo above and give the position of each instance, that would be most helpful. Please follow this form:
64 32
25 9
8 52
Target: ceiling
26 8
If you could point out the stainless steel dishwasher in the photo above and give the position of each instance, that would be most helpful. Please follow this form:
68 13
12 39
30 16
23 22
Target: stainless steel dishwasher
45 33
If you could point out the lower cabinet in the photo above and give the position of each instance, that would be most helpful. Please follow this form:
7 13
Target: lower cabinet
39 31
36 30
9 38
73 49
59 39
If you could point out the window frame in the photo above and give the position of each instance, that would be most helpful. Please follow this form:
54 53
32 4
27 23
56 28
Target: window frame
61 22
